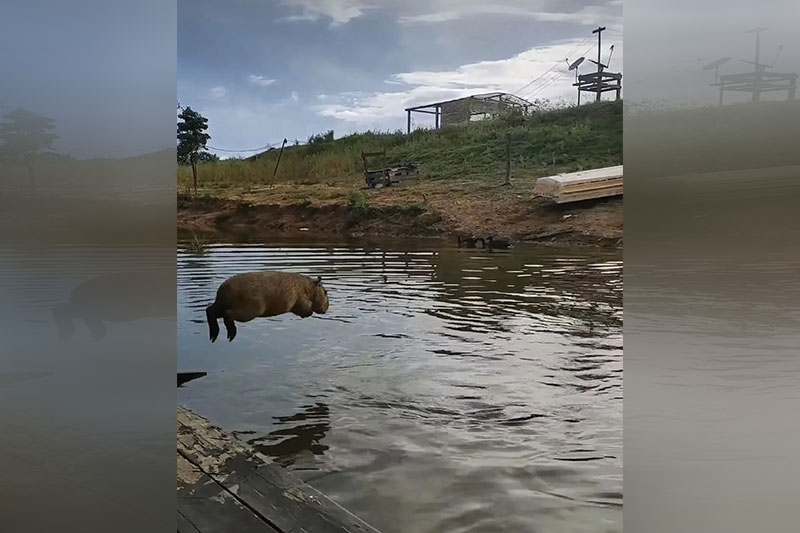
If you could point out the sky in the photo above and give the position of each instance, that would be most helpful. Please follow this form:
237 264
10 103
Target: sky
265 70
108 84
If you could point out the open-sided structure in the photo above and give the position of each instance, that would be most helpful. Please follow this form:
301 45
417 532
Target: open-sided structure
464 109
758 80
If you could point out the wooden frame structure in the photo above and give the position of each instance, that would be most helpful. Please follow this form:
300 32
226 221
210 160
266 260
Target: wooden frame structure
757 83
460 110
759 80
599 82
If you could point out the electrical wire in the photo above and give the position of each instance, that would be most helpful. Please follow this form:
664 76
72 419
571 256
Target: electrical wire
272 145
546 83
543 74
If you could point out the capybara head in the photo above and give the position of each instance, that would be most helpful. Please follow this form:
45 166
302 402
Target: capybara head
319 298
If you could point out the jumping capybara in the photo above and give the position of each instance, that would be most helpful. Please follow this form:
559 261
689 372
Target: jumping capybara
244 297
119 297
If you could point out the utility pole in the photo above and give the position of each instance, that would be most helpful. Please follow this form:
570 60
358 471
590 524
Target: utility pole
599 31
278 162
758 66
508 158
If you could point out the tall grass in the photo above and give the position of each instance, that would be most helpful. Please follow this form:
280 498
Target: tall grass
572 138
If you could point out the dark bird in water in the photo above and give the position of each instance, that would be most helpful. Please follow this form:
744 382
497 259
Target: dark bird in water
244 297
468 242
496 244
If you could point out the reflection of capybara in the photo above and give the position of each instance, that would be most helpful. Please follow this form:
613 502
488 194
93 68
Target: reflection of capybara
244 297
120 297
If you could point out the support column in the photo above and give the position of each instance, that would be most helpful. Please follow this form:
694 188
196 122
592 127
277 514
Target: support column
409 122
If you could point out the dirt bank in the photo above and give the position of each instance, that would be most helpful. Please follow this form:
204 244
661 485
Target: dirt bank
415 211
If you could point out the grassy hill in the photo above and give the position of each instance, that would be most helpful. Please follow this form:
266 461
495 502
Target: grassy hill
318 186
574 138
710 139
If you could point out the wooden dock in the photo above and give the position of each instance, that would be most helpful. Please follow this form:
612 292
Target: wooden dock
225 486
584 185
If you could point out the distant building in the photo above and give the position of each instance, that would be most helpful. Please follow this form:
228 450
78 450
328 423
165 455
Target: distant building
468 108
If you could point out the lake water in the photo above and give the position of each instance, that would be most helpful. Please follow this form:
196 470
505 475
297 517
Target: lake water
446 390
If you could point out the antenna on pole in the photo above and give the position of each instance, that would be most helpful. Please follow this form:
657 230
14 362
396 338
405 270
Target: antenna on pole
574 66
715 65
777 55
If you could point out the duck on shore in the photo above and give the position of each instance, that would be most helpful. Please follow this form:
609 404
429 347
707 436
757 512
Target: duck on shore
496 244
468 242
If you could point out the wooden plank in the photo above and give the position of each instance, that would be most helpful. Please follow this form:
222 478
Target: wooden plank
584 185
205 506
271 493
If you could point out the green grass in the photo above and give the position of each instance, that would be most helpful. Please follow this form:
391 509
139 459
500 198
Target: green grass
572 138
709 139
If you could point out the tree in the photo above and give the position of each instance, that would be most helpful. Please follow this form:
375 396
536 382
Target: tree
25 137
192 139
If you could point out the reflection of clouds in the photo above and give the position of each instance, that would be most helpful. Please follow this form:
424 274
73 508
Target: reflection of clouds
118 297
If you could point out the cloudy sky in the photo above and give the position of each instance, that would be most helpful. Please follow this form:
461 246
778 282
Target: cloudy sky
262 70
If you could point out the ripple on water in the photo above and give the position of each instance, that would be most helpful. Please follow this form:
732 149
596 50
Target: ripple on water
483 374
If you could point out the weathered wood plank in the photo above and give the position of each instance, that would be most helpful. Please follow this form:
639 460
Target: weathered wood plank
271 493
205 506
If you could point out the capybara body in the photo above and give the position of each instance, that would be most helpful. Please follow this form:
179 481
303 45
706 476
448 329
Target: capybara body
244 297
118 297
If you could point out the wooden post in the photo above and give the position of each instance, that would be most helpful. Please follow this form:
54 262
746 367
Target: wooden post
508 158
278 162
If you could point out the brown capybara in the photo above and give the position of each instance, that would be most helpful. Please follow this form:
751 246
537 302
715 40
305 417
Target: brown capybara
116 298
244 297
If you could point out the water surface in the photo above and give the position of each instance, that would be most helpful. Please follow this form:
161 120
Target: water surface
446 389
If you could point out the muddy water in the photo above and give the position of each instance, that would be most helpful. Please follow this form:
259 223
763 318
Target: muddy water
446 390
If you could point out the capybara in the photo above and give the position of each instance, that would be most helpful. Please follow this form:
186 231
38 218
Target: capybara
118 297
244 297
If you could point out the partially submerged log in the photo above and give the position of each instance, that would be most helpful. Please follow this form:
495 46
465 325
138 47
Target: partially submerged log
224 485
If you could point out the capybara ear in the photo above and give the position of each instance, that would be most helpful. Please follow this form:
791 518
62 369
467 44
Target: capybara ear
318 280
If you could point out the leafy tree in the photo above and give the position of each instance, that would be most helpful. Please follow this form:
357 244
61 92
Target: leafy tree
25 137
192 139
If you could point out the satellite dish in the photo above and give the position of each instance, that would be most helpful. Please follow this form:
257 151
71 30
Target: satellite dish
717 63
575 64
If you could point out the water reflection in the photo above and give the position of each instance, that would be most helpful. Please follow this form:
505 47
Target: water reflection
296 435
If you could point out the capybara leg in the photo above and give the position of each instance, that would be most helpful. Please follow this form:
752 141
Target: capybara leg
213 326
63 318
96 327
303 308
230 326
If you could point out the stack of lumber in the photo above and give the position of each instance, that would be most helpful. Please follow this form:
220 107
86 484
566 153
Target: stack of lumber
584 185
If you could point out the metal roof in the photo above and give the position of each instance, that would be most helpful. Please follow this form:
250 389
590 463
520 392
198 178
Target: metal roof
500 96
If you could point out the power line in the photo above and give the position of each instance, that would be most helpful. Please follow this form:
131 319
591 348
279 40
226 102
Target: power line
272 145
546 83
550 69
